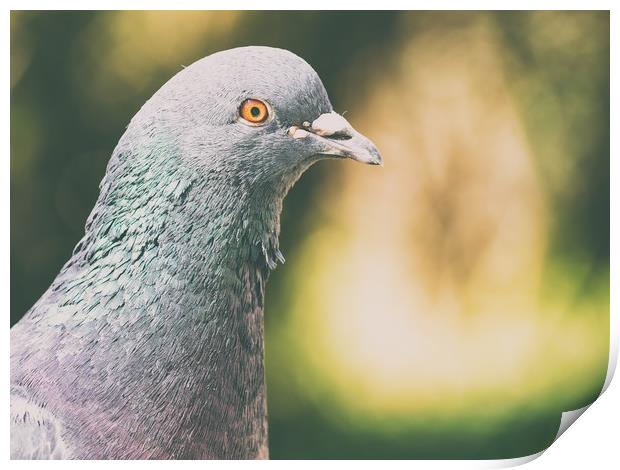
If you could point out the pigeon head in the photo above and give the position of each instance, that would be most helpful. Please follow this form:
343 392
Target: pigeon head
219 146
254 113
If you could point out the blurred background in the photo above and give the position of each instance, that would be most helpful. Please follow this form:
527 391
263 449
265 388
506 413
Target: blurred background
448 305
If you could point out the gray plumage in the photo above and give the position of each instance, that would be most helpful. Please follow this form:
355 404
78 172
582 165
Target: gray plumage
149 342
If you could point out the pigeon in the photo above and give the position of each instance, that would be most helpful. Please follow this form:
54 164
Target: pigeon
149 342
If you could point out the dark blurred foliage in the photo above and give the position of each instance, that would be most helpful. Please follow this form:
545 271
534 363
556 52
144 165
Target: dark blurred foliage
579 78
65 124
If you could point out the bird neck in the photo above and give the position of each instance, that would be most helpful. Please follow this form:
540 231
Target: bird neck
170 288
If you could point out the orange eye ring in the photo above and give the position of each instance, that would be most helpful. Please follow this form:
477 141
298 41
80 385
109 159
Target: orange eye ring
254 111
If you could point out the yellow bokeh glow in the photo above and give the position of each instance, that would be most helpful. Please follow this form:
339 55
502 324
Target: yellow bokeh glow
422 294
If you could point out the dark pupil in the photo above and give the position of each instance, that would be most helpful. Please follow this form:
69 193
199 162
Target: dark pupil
254 111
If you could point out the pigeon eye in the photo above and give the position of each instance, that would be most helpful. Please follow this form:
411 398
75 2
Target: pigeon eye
254 111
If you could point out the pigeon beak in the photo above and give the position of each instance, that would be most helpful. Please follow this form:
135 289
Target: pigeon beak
337 138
